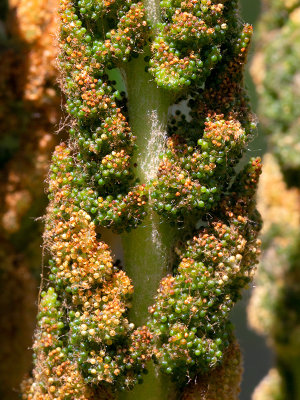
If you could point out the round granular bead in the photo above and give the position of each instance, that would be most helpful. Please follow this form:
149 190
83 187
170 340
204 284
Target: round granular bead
189 177
191 313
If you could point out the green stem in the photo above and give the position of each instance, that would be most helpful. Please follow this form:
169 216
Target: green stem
147 249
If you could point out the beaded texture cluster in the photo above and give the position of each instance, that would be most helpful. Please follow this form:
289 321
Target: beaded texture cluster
85 344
